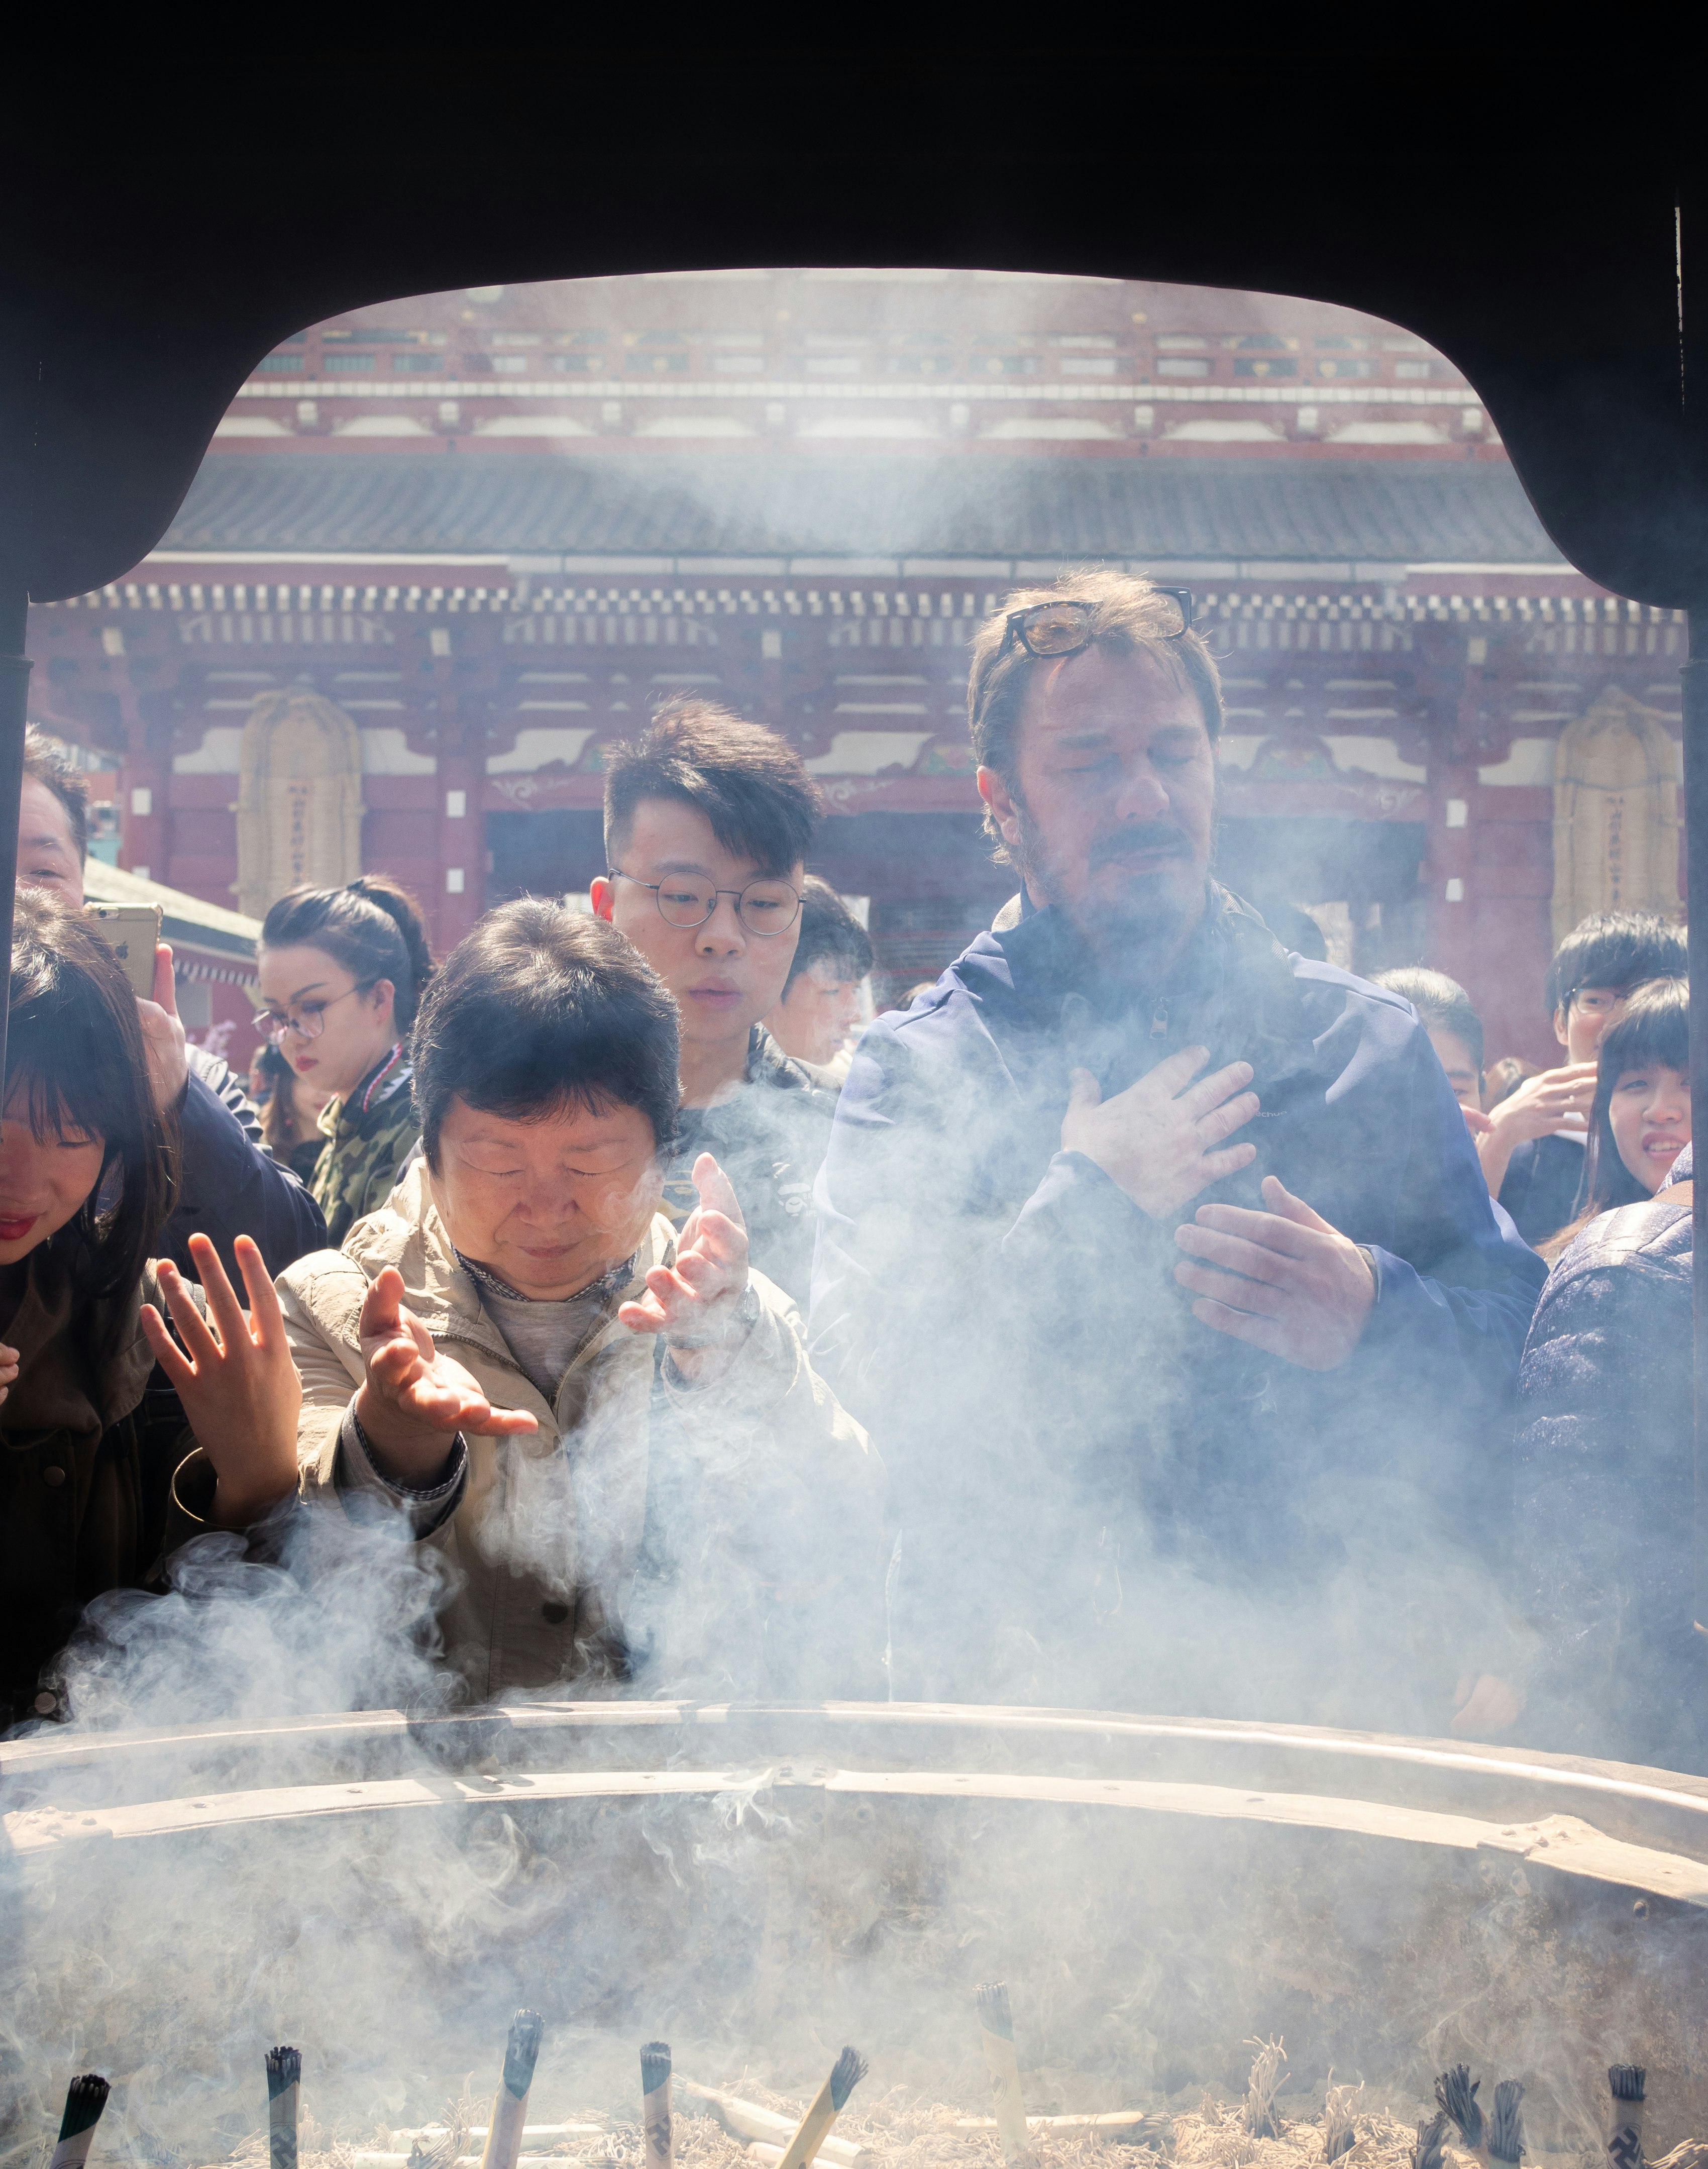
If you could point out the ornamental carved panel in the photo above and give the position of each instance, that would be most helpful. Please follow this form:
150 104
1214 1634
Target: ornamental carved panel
299 799
1615 813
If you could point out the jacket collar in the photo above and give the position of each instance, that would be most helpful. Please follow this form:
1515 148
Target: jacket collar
1232 990
55 1389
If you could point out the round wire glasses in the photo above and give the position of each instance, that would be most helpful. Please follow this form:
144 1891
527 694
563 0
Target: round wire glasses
764 908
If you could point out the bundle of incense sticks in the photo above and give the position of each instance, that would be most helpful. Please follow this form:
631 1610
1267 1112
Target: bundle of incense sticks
996 2022
657 2134
1268 2076
761 2127
1427 2153
1625 2132
1506 2127
85 2099
848 2070
510 2102
284 2099
1340 2119
1455 2094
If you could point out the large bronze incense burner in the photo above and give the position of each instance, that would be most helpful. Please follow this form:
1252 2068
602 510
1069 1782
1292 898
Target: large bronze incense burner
757 1883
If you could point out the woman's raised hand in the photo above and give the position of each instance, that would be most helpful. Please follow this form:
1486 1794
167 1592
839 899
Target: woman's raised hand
415 1398
8 1369
234 1376
692 1303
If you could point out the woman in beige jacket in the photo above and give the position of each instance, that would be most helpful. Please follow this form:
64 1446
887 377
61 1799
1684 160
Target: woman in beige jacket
610 1432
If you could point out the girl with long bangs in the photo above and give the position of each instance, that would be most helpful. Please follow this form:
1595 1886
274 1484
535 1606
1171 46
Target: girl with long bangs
101 1413
1639 1118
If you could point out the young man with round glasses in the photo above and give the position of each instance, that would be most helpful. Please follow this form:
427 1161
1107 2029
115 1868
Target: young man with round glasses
707 822
1157 1260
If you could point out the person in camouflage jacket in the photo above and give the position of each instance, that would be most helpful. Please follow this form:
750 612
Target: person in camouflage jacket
341 971
368 1139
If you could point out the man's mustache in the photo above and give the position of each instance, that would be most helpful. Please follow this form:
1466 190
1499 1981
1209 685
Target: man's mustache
1153 836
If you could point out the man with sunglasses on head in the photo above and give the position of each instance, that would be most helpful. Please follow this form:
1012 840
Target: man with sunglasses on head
1197 1221
707 822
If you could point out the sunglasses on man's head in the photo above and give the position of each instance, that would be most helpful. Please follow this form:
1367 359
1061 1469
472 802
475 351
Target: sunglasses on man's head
1063 628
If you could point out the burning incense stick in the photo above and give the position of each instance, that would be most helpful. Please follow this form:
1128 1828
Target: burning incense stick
1506 2127
1427 2153
849 2069
510 2102
996 2025
1340 2119
1455 2093
746 2119
660 2137
283 2097
1268 2076
1625 2135
85 2099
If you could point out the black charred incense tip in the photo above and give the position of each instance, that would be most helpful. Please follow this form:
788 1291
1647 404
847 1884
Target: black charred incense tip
1627 2080
521 2052
84 2100
283 2068
1506 2127
993 2012
1427 2153
1455 2091
655 2065
851 2067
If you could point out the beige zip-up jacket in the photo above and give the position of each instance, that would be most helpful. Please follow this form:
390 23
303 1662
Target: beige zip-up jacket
725 1540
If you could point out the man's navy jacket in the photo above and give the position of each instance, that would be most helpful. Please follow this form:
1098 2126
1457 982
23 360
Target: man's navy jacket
1004 1319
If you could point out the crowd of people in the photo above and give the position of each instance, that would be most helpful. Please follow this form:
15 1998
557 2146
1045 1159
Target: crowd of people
1146 1315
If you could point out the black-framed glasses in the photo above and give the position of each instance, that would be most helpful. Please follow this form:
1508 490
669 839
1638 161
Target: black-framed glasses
1063 628
764 908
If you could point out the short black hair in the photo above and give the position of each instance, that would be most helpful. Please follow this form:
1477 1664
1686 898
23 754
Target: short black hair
829 933
50 765
750 784
541 1006
1617 949
1442 1002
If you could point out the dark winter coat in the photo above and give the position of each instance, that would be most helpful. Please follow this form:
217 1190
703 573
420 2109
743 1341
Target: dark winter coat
229 1186
87 1450
1543 1184
1603 1496
1064 1438
769 1138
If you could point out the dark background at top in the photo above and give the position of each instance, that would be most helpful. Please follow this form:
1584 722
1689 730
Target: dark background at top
165 219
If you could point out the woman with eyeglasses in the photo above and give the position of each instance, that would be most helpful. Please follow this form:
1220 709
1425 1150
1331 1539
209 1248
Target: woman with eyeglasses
342 971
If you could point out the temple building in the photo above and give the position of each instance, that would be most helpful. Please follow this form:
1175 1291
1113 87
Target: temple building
444 551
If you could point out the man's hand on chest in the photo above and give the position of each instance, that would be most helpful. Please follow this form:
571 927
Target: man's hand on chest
1283 1279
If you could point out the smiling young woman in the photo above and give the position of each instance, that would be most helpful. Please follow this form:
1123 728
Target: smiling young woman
89 1448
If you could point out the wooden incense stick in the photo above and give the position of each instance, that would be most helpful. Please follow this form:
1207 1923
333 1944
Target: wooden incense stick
997 2027
284 2099
85 2099
849 2069
1104 2124
1506 2127
510 2103
1625 2132
746 2119
657 2134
